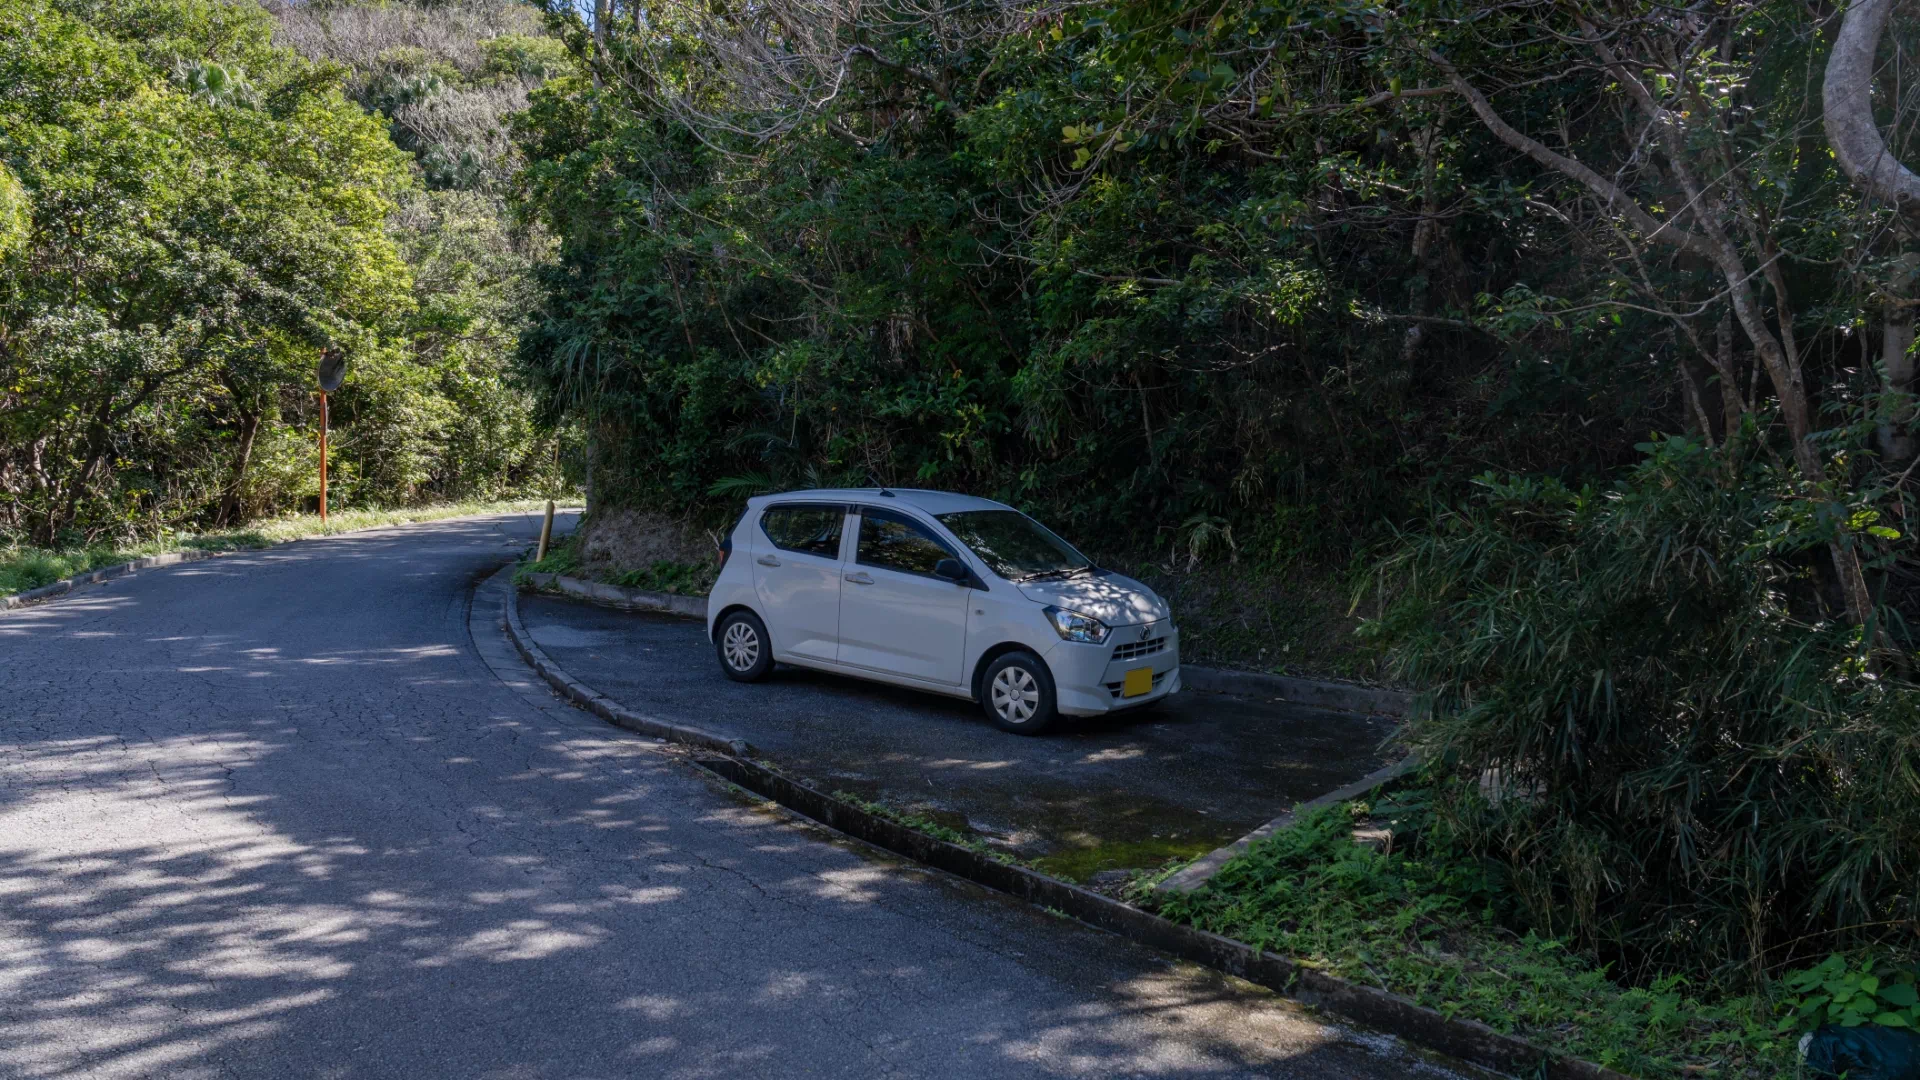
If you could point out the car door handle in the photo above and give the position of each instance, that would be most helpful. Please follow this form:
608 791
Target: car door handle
767 560
860 578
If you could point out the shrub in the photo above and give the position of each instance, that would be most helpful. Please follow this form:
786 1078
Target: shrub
1640 704
1437 924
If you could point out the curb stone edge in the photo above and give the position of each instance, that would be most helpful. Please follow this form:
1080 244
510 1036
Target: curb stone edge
175 558
599 704
105 573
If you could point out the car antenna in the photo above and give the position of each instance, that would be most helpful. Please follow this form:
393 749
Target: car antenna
875 481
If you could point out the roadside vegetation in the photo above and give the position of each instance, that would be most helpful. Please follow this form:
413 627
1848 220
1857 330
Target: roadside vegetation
1429 920
1554 361
198 202
23 567
659 575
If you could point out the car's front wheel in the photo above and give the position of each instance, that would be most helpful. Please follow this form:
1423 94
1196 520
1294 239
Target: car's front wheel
740 639
1017 692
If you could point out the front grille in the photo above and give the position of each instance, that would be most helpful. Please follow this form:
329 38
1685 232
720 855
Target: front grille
1135 649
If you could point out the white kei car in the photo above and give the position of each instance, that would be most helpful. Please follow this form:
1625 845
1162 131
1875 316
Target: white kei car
941 592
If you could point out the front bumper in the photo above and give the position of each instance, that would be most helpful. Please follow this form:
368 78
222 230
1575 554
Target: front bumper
1089 678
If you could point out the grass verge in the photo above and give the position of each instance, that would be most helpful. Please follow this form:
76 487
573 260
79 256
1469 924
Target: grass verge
23 568
1434 927
662 575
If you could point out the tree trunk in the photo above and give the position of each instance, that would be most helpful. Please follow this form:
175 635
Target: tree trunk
1847 99
1704 211
1733 407
230 504
1896 363
1896 442
1423 234
1847 109
98 434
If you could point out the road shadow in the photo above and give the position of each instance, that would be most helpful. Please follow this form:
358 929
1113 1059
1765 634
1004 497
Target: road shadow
240 836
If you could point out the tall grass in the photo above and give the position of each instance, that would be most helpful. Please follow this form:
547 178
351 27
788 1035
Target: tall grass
1644 704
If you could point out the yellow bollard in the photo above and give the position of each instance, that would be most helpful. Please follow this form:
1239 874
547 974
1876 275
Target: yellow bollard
546 533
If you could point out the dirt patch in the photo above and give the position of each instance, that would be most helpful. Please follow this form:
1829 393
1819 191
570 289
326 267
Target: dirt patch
612 541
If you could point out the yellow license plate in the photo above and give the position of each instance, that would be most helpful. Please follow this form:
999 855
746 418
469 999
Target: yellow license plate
1139 681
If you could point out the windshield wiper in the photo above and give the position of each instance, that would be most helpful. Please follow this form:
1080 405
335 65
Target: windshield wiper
1048 574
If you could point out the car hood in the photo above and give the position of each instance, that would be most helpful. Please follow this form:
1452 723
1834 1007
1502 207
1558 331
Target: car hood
1112 598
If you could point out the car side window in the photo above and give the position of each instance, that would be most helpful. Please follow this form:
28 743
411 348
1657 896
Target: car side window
892 542
808 530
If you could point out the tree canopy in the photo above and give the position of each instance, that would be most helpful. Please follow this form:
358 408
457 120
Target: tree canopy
1433 280
192 216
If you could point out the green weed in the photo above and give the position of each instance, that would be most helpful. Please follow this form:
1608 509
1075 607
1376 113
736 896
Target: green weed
924 824
1078 864
1437 926
668 576
23 568
1836 991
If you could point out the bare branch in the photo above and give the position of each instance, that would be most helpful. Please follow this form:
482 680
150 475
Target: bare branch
1610 194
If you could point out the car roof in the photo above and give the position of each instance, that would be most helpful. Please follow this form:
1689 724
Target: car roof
929 502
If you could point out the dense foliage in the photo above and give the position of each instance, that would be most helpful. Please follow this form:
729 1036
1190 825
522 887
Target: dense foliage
1429 921
1284 277
1151 265
1648 716
191 216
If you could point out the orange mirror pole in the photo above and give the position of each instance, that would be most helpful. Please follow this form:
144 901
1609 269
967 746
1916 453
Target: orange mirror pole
323 457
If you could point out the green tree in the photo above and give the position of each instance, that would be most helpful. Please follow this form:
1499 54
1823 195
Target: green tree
193 234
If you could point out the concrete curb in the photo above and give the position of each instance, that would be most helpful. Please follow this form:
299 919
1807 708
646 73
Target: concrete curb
1196 873
175 558
94 577
1319 693
599 704
1467 1040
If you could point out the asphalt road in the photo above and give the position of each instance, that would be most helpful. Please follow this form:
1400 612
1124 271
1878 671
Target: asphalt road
1127 790
292 814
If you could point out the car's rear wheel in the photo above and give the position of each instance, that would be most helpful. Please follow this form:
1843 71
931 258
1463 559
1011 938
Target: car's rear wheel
740 640
1017 692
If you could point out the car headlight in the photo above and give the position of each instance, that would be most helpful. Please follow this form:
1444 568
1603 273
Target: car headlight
1073 626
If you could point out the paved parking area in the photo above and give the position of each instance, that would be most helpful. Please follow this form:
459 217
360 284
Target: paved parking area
1131 790
300 813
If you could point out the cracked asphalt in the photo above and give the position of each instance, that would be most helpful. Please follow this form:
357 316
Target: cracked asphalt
301 813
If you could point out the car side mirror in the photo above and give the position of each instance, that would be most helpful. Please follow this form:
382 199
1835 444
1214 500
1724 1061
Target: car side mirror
953 570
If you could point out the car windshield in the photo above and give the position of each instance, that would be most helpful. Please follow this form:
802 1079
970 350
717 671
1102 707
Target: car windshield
1016 546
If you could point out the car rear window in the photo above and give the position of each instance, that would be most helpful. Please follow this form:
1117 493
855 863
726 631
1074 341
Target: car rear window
809 530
